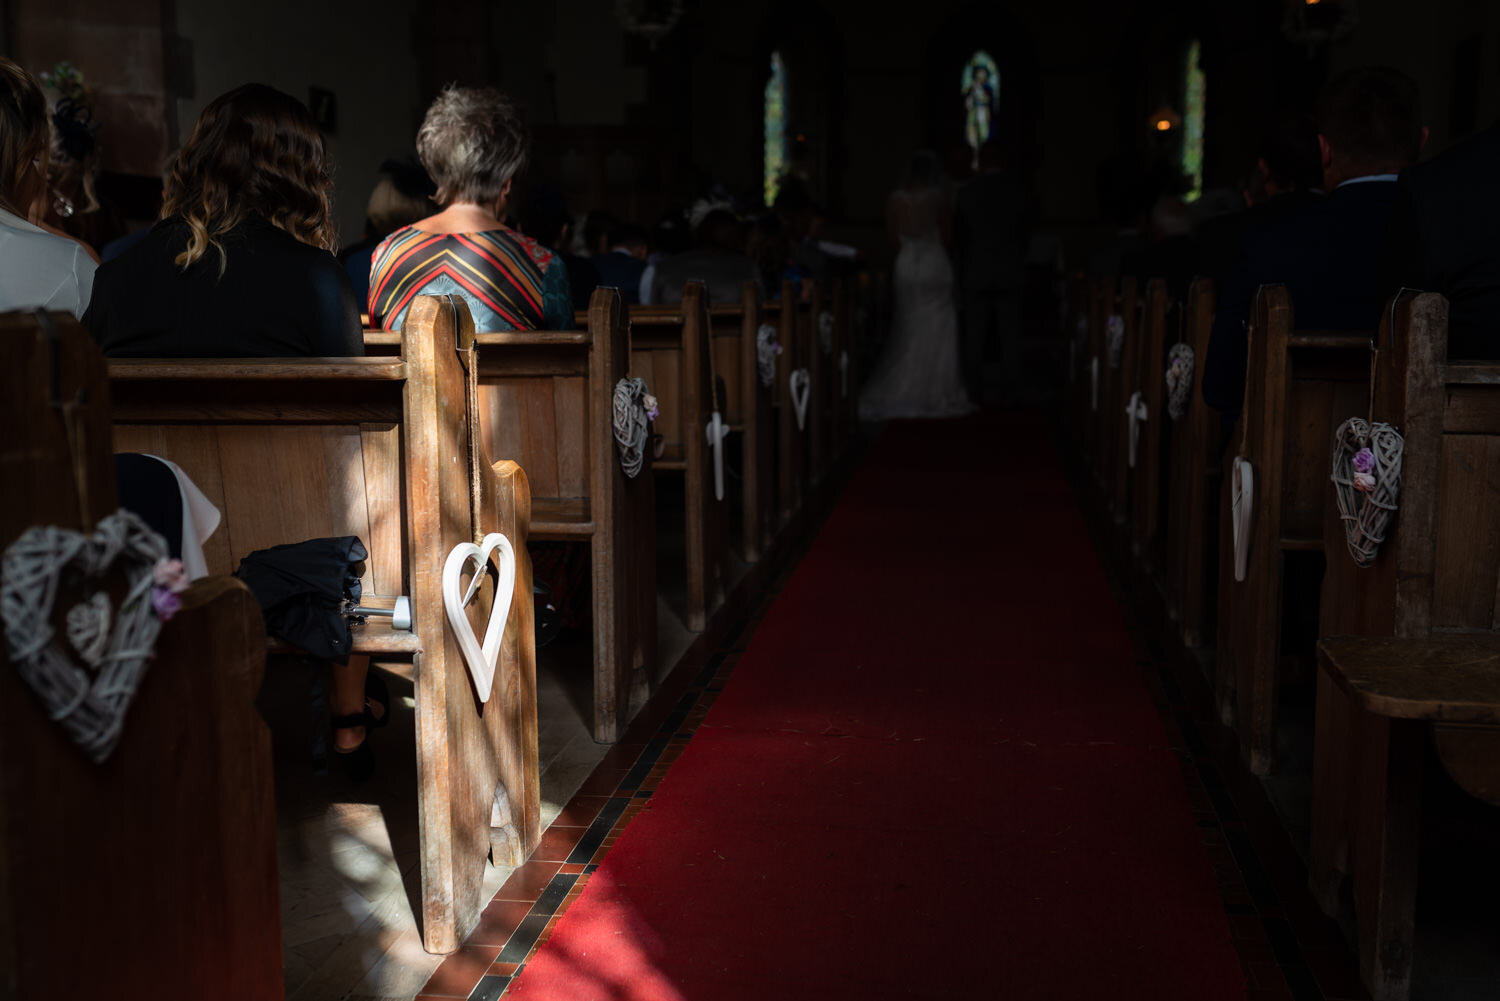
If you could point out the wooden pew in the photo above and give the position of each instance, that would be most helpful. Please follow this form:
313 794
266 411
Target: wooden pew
790 440
1300 386
748 409
546 402
385 449
1123 380
182 871
1193 501
671 349
1411 654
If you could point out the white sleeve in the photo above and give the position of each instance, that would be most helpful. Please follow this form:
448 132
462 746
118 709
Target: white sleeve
83 275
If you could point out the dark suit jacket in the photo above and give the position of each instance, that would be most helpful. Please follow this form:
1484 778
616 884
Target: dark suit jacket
991 227
1326 256
1445 237
1221 240
621 271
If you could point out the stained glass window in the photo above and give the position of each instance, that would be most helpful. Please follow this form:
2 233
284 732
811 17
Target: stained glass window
1192 123
775 125
980 87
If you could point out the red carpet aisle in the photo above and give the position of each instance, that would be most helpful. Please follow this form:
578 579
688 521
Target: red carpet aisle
935 773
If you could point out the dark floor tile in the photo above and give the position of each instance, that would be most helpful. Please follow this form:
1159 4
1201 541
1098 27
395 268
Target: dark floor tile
459 973
529 881
497 922
593 839
490 988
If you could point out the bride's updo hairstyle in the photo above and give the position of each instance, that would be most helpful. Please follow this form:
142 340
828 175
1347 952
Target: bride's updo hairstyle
254 150
25 139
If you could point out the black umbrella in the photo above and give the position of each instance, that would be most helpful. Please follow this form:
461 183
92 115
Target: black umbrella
306 591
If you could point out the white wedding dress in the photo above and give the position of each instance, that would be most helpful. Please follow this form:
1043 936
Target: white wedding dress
918 374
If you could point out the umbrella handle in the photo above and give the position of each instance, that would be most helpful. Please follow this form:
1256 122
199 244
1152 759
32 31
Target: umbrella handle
400 616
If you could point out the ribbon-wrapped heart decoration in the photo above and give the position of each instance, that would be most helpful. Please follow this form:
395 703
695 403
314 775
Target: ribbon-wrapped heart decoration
1179 379
1115 339
1367 483
1136 411
1242 496
800 383
634 408
480 658
717 431
766 350
89 702
825 331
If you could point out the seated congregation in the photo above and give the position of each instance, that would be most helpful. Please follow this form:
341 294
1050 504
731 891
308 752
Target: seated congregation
417 484
1286 422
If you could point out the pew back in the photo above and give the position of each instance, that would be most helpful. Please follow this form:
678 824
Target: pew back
300 448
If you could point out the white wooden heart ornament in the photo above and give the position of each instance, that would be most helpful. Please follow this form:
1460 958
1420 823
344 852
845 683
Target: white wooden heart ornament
1243 494
481 659
800 383
1136 411
716 431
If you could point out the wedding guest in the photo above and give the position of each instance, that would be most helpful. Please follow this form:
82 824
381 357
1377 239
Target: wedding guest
38 269
1288 180
623 264
598 226
1369 130
473 144
241 264
545 219
1442 239
991 228
670 236
402 196
718 260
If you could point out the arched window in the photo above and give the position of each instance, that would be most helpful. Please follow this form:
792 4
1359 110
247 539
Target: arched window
1193 89
980 88
775 125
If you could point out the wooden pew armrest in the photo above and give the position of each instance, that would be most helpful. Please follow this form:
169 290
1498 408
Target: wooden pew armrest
1447 677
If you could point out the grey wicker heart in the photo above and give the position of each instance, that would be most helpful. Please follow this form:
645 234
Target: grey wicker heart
1367 484
89 704
1115 339
1179 380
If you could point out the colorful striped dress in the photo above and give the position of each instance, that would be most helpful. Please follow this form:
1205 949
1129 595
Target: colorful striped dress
511 281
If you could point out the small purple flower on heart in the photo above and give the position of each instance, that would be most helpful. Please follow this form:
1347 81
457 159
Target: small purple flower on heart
1364 482
172 575
1364 460
652 410
165 603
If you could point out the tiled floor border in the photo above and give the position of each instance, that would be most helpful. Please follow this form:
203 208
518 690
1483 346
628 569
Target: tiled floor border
524 911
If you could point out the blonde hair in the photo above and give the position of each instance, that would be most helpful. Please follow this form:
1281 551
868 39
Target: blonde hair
254 150
390 208
25 139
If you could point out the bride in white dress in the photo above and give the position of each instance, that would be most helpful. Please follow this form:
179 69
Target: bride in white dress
918 374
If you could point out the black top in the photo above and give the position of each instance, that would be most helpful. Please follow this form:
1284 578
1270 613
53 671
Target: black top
278 298
1445 237
1328 258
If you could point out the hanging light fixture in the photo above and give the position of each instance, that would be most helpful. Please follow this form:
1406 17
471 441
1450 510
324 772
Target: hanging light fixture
650 19
1165 120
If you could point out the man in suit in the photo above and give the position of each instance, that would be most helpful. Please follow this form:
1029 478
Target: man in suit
623 263
1369 130
991 227
1287 182
1443 238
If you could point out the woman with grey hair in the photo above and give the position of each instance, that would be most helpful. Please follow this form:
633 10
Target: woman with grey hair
473 144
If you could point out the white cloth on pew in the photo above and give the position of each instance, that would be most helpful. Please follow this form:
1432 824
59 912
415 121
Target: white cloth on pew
200 519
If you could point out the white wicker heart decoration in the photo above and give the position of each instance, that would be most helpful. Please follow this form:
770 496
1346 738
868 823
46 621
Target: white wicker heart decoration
766 350
90 703
480 659
1179 379
1115 339
1367 483
800 383
1243 510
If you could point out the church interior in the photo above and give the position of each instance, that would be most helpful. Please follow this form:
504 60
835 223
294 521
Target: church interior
668 500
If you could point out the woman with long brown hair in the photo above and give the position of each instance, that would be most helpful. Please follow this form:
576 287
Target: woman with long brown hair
241 263
38 269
